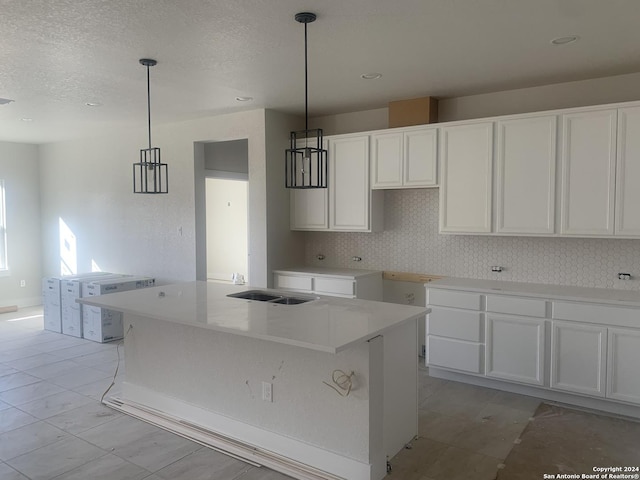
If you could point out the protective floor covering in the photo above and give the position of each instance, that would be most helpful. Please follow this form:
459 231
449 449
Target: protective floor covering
564 441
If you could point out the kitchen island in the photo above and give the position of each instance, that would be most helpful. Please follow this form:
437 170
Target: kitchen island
255 379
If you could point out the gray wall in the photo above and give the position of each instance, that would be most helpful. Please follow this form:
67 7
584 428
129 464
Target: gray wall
88 183
229 156
19 169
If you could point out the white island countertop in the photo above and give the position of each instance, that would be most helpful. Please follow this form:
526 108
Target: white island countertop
327 324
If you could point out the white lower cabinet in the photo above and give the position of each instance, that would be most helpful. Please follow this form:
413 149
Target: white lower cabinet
554 346
623 378
364 284
578 358
515 348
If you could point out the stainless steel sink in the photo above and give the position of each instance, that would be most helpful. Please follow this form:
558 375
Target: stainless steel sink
269 297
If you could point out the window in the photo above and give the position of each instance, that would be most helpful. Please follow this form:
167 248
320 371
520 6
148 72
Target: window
3 230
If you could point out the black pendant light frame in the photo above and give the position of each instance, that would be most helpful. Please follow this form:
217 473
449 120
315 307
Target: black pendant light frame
306 159
150 175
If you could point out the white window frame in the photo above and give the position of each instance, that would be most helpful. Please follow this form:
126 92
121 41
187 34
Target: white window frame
4 266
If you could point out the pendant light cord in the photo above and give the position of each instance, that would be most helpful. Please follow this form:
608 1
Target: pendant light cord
306 82
149 107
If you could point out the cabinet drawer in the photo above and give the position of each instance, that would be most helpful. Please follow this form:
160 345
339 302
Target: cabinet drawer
448 298
603 314
444 352
293 282
334 285
458 324
531 307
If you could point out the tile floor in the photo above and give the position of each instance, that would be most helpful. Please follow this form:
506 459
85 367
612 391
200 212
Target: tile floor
52 425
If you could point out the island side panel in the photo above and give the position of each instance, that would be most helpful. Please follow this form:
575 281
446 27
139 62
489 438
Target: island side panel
223 373
400 387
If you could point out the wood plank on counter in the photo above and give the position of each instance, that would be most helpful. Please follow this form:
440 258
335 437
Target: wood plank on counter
410 277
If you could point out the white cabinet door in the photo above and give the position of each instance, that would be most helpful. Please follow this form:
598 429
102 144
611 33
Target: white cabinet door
578 358
588 172
309 209
349 194
628 172
623 380
421 158
466 154
526 175
515 348
386 160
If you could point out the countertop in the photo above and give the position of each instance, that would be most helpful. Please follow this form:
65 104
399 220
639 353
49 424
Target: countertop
629 298
327 324
329 272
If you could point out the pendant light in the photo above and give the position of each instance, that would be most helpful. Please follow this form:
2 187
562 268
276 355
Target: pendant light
306 159
149 174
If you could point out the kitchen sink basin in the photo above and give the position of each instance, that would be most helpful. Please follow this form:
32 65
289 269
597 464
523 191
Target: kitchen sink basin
255 295
261 296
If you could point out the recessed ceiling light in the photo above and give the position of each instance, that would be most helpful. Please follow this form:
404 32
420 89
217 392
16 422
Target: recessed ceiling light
244 99
564 40
5 101
27 119
93 104
371 76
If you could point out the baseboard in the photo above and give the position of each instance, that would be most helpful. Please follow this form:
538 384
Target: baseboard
22 302
9 309
247 442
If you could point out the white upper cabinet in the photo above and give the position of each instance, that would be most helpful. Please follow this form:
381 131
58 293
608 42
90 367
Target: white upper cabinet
351 206
466 153
628 172
386 168
421 158
525 175
405 159
309 207
347 204
588 172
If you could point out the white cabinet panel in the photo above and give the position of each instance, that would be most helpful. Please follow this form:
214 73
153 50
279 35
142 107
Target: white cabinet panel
451 298
530 307
466 154
455 354
578 358
515 348
454 323
628 172
309 209
349 176
588 172
387 158
526 180
334 286
421 158
623 380
293 282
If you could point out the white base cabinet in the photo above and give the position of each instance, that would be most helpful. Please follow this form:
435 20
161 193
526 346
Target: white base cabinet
541 343
578 358
337 282
515 348
623 378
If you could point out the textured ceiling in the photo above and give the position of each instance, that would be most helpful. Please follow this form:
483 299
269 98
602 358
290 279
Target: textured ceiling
56 55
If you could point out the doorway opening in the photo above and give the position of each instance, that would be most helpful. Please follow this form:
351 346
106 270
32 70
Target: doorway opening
226 193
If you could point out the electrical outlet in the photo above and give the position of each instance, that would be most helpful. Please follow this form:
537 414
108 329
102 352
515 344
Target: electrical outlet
267 392
23 283
624 276
409 298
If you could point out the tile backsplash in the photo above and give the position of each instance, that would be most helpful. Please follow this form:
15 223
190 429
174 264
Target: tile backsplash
411 243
